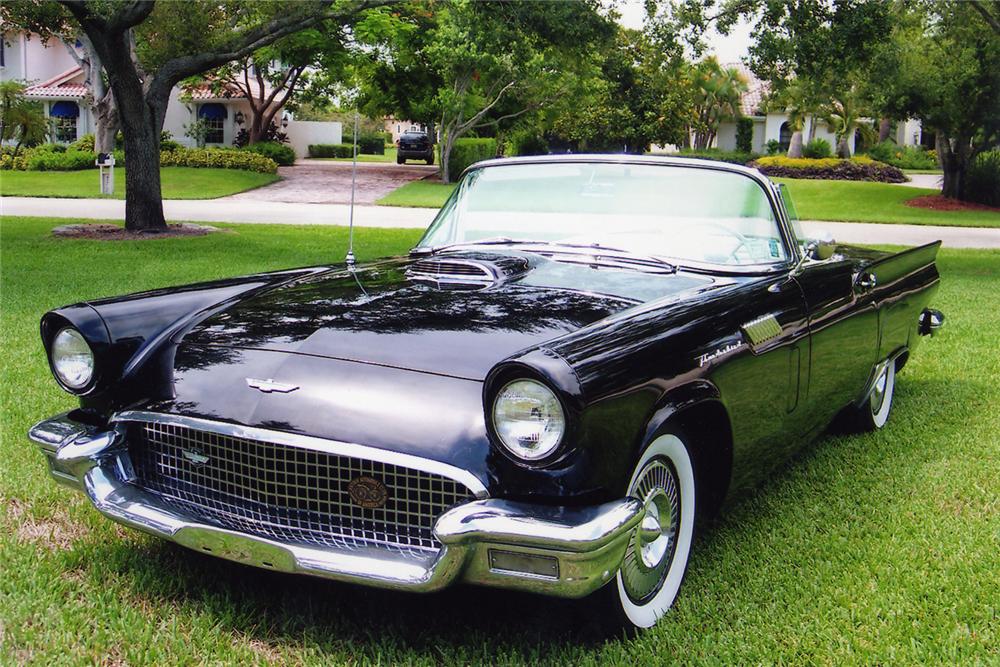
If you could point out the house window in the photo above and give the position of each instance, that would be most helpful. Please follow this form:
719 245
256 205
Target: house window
785 136
64 115
214 116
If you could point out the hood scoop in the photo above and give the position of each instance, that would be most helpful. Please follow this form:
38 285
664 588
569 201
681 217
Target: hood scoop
466 272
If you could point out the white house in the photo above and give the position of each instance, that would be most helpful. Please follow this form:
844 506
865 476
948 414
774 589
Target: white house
774 125
55 79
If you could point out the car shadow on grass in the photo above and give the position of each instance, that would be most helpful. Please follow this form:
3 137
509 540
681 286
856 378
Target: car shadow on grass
471 624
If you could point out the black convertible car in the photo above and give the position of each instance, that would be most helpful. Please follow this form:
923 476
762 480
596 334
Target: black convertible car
581 356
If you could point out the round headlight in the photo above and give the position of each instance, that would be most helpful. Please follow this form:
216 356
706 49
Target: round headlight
72 359
529 419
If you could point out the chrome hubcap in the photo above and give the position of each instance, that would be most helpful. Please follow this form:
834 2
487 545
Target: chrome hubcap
651 551
878 392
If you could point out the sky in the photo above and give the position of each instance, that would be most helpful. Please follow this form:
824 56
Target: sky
729 48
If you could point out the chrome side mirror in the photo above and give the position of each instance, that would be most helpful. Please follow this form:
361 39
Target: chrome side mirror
821 248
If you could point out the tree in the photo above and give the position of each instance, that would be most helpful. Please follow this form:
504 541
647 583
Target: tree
50 21
943 67
146 48
480 66
845 116
21 120
717 93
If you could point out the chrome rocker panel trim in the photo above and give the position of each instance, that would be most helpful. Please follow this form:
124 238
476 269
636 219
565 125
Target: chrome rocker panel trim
585 545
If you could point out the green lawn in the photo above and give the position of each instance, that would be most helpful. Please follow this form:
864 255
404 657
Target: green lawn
422 194
854 201
849 201
874 549
390 156
177 183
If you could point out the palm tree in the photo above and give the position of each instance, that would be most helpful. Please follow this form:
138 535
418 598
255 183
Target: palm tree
797 100
844 116
20 119
717 93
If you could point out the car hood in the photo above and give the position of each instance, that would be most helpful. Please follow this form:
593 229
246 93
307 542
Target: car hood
387 315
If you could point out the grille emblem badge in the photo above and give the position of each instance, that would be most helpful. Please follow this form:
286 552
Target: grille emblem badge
367 492
268 386
195 457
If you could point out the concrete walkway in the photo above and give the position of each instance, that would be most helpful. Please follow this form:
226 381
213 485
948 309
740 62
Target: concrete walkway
929 181
230 209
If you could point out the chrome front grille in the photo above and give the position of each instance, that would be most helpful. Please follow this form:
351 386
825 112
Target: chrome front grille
289 493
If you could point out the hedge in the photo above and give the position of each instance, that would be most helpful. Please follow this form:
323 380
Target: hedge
465 152
280 153
371 143
331 150
732 157
218 158
904 157
856 169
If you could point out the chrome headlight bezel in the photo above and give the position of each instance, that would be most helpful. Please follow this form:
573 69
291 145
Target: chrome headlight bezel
69 343
549 403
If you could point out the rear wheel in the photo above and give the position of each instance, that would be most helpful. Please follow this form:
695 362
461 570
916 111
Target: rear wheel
430 160
656 559
400 160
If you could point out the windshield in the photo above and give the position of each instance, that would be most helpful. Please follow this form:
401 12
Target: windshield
676 212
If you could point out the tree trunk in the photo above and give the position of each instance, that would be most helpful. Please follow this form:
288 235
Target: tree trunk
795 145
446 147
884 128
143 201
105 124
954 162
812 127
843 148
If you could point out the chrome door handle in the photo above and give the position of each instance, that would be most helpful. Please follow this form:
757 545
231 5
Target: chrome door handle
866 281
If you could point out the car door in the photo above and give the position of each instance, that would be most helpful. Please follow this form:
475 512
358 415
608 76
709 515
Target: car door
843 327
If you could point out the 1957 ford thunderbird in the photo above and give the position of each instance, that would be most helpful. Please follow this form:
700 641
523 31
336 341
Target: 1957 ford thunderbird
581 356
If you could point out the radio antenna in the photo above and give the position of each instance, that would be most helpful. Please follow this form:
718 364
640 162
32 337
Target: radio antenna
354 176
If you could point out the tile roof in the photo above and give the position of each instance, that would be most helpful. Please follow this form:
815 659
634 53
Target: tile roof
208 91
756 93
61 85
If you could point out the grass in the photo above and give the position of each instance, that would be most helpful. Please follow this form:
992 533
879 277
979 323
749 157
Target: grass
870 549
176 182
390 156
420 194
923 171
852 201
845 201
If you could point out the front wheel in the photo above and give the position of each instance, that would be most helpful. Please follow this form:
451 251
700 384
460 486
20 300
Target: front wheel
656 559
874 412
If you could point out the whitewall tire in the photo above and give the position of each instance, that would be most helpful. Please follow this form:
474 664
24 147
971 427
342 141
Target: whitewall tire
656 559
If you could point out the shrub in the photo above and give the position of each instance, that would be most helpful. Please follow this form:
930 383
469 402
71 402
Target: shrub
982 180
465 152
744 135
331 150
529 144
817 148
84 143
49 148
10 161
167 142
733 157
218 158
856 169
54 160
280 153
904 157
371 143
773 146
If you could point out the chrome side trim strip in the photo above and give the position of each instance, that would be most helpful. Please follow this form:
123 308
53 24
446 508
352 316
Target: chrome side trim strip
761 329
310 442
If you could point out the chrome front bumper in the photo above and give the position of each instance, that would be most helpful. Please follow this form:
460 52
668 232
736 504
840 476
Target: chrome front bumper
567 552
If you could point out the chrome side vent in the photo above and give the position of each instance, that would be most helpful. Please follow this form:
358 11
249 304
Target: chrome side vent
762 329
451 270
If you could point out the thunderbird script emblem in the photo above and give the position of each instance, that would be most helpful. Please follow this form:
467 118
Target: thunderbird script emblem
367 492
269 386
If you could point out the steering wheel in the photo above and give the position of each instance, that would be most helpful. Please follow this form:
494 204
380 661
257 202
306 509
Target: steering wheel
742 241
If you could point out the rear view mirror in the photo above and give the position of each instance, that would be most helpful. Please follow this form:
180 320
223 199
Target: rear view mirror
821 249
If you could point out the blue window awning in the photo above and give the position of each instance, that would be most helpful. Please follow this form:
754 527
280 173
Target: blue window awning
64 109
213 111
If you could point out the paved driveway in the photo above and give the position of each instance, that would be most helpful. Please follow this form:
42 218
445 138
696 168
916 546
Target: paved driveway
321 182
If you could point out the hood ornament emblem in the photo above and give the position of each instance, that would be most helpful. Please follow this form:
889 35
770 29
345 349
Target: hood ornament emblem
269 386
